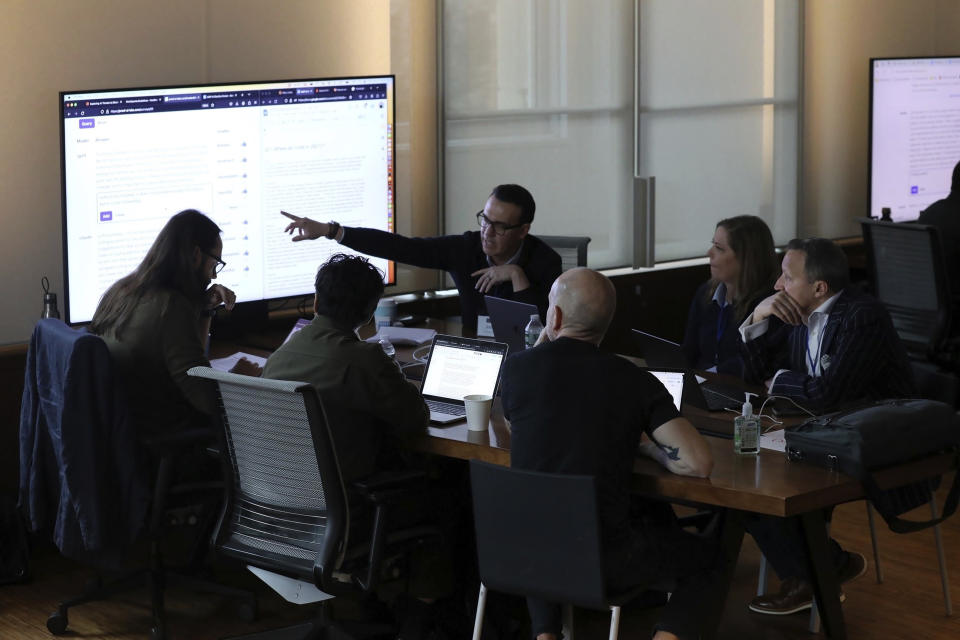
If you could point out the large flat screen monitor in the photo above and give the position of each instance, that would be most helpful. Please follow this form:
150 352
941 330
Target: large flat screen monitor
241 153
914 133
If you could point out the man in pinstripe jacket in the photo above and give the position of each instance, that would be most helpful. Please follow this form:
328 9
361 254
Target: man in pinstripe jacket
822 344
818 341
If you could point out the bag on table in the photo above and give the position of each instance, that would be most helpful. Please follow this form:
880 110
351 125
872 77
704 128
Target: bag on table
863 440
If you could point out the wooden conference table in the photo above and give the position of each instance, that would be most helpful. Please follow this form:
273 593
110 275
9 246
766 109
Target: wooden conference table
766 484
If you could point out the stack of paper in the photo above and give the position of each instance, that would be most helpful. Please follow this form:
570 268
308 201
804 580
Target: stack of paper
225 364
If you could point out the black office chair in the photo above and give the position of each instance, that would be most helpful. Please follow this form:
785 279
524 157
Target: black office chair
287 515
572 249
909 275
83 473
538 535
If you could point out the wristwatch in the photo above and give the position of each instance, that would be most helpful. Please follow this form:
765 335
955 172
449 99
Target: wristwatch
333 228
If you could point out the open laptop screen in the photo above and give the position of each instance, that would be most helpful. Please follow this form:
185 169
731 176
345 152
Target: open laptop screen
460 366
673 381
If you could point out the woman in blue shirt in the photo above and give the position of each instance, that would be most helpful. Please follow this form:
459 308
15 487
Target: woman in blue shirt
743 269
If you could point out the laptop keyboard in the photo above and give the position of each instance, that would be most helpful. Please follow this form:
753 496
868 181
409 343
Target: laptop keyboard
449 409
720 396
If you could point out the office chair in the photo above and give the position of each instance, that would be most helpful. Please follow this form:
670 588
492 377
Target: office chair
83 471
909 275
572 249
287 515
538 534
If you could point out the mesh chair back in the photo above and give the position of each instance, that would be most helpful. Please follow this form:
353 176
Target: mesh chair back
572 249
286 508
538 534
909 276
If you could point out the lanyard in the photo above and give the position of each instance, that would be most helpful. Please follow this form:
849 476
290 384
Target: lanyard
815 360
721 328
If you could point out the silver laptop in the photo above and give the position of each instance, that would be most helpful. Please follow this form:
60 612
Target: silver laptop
509 319
460 367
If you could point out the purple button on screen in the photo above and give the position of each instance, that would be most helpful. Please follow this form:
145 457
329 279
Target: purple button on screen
914 190
106 215
86 123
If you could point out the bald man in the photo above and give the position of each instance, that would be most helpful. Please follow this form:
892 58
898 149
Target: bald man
574 409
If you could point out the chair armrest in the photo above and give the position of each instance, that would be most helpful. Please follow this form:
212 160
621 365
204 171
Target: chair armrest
381 490
386 485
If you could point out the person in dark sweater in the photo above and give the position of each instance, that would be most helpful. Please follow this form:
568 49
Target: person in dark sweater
574 409
502 259
945 215
743 268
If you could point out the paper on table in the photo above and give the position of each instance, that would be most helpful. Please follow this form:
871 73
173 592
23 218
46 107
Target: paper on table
404 335
484 328
225 364
773 440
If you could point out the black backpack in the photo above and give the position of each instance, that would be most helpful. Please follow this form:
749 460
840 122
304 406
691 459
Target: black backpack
14 547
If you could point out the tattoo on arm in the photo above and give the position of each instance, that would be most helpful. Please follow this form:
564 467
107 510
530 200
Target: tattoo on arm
673 453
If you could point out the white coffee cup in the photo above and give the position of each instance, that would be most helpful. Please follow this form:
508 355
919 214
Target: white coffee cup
478 411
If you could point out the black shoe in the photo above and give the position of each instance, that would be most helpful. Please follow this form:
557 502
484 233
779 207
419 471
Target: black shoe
794 595
855 567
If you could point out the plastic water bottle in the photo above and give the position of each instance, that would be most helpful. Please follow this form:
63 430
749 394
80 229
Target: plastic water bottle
387 347
532 332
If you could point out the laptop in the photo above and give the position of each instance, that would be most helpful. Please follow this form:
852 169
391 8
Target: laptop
673 381
660 353
509 319
683 388
460 367
300 324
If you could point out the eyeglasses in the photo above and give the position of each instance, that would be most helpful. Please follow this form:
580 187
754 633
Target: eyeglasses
499 228
220 263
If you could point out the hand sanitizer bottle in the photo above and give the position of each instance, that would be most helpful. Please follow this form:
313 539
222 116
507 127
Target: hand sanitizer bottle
746 431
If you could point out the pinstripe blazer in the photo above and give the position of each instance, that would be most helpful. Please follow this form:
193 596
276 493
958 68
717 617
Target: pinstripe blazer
862 358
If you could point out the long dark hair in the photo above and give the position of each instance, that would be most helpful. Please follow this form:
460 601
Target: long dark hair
169 264
751 241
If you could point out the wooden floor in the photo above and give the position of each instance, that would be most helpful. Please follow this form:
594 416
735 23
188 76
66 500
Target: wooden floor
909 604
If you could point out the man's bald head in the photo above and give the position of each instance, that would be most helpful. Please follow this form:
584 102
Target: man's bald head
582 302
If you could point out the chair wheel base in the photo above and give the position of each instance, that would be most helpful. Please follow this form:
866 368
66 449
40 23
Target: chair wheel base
57 623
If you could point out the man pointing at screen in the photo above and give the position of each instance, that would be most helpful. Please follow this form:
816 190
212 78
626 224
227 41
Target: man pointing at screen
501 259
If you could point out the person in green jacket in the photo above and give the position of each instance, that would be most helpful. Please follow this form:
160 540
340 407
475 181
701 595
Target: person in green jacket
371 407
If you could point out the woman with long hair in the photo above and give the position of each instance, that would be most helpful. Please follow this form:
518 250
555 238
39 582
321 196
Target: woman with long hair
743 269
155 322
